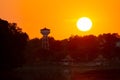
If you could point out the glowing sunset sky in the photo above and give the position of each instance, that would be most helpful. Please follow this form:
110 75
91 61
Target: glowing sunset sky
61 16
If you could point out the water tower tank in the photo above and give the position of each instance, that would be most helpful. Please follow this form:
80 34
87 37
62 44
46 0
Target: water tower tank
45 31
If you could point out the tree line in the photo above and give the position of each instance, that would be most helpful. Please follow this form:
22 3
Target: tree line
17 49
80 48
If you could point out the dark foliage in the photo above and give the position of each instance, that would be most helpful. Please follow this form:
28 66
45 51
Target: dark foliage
12 44
80 48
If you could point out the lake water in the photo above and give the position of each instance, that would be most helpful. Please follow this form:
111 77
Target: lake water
64 73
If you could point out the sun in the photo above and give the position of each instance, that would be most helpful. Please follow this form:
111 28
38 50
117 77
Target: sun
84 24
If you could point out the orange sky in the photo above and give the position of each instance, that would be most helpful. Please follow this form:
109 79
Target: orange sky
61 15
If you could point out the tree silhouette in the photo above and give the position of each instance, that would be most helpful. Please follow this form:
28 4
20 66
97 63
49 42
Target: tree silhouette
12 44
108 44
83 48
80 48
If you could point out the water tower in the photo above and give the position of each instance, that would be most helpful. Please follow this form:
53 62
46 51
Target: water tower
45 43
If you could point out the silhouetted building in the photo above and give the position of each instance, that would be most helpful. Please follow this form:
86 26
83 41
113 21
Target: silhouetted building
118 44
68 61
45 43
